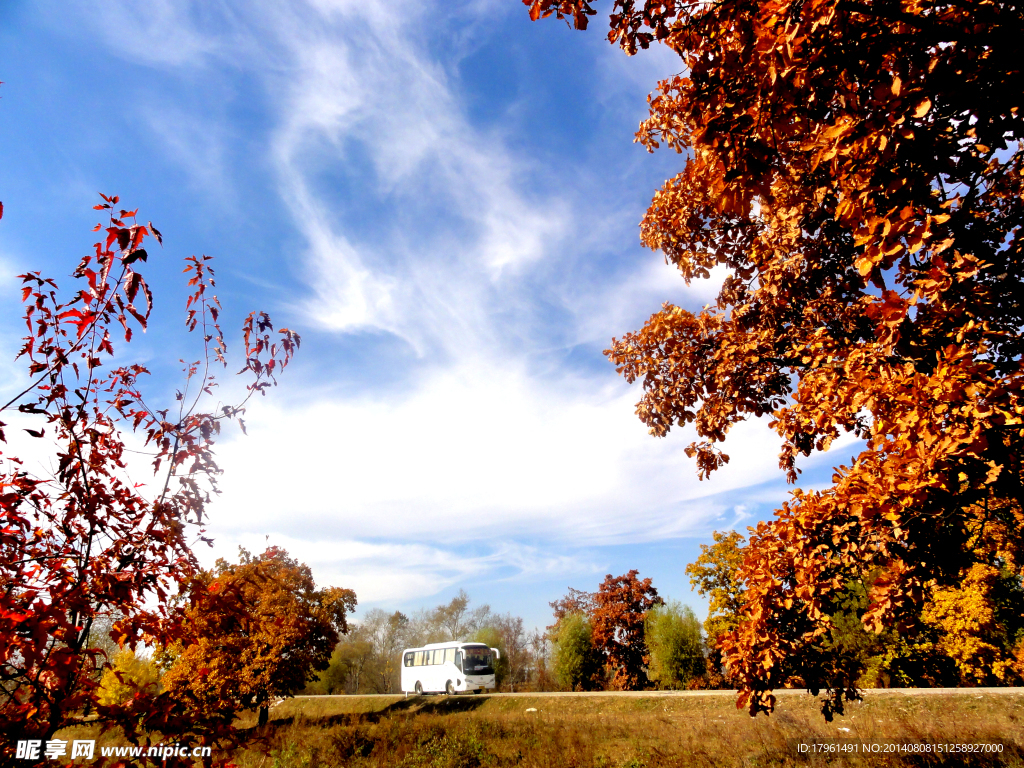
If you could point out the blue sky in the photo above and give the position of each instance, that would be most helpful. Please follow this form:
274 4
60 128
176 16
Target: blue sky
442 198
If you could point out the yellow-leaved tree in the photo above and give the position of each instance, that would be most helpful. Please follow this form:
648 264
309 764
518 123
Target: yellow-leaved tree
128 674
969 631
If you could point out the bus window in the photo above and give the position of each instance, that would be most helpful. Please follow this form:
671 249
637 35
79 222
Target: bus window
477 661
449 655
418 659
408 659
439 656
458 660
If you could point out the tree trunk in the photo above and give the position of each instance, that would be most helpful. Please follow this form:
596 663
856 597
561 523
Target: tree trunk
264 716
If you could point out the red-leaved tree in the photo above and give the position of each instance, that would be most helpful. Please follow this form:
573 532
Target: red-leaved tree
83 540
618 615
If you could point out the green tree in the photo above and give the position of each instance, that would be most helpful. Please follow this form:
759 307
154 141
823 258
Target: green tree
492 637
674 644
576 662
351 668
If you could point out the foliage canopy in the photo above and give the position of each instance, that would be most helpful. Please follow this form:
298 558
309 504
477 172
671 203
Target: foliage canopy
675 646
856 168
253 632
576 662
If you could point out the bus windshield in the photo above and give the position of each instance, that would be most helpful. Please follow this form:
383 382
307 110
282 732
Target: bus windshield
477 661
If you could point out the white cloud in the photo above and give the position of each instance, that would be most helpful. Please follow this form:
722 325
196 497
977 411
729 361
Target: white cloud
480 452
360 85
614 308
372 568
475 453
163 33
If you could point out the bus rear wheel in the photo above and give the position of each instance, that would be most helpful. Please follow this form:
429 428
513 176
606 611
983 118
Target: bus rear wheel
419 688
449 688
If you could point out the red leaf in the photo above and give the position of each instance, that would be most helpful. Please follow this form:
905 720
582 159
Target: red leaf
134 313
132 288
134 256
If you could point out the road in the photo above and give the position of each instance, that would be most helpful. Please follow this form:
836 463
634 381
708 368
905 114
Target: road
871 692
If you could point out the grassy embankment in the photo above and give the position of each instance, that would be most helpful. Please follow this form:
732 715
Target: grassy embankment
622 732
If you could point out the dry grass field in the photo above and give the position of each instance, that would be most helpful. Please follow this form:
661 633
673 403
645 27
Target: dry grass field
621 731
631 731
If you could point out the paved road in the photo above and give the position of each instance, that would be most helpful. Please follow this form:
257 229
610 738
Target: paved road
674 694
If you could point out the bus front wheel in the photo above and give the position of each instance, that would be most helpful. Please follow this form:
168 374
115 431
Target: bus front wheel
449 688
419 688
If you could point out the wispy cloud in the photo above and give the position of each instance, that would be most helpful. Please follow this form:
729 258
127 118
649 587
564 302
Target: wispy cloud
369 567
451 230
417 222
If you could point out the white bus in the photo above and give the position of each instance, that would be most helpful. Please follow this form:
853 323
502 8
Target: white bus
448 668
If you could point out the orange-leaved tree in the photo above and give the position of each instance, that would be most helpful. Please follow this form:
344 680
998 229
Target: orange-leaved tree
83 540
253 632
855 167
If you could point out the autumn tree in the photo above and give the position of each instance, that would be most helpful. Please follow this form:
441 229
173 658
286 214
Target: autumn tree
127 675
855 167
101 638
454 620
252 632
619 614
87 540
716 575
540 675
387 634
513 643
976 622
574 601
